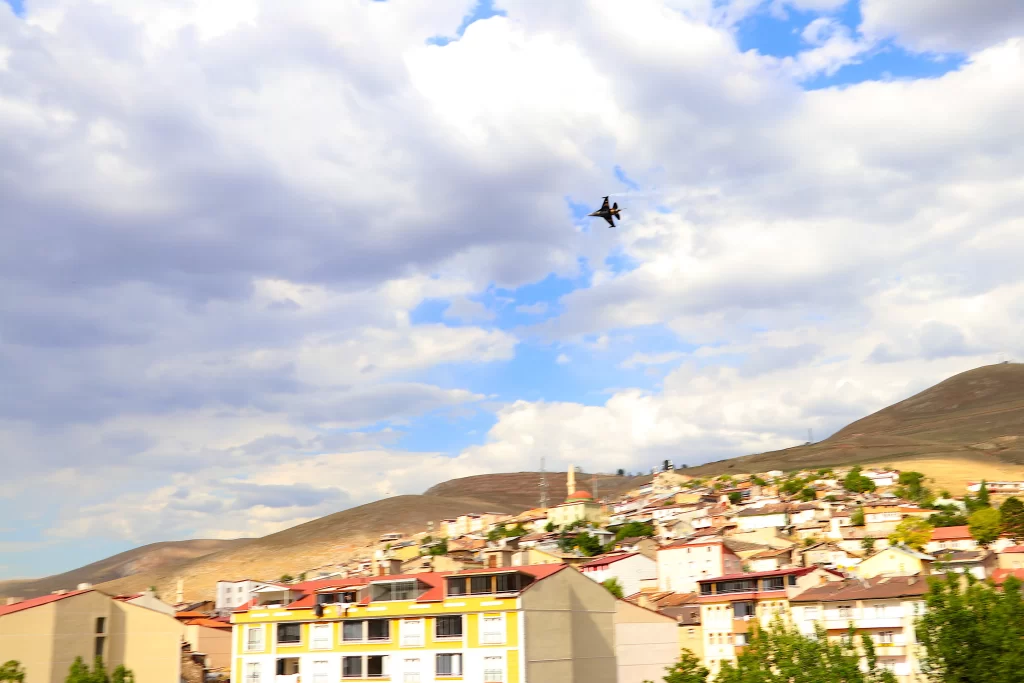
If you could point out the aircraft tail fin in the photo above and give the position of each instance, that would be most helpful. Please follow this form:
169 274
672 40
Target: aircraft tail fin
615 206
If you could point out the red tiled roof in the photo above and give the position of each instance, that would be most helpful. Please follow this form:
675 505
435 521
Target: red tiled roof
950 533
605 560
189 615
798 571
36 602
1014 549
209 623
125 598
999 575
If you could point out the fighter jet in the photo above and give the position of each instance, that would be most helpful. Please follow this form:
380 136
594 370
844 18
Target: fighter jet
607 213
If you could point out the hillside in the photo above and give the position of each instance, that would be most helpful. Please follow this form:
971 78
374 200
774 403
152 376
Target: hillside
967 427
320 542
148 558
522 489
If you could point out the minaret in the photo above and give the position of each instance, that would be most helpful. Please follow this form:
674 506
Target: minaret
570 483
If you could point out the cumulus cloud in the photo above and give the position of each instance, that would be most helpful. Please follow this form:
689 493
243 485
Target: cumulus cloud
221 222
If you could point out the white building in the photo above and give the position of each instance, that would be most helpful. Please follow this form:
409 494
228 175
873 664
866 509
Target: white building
767 517
629 569
234 594
681 565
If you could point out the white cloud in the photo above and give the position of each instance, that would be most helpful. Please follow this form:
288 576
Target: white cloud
222 219
943 25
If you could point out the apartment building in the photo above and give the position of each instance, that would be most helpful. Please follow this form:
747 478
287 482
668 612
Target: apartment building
682 564
494 625
629 569
46 633
730 603
234 594
883 608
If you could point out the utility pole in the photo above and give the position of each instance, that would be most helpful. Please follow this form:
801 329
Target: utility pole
593 478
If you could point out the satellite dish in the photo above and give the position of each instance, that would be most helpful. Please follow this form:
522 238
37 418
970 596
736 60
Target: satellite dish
318 610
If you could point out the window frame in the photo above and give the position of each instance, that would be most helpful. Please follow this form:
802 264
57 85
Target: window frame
384 672
456 671
253 672
362 630
314 629
249 629
500 669
377 639
448 619
502 632
287 643
407 625
348 658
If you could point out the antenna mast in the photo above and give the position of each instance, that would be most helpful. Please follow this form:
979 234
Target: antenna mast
593 478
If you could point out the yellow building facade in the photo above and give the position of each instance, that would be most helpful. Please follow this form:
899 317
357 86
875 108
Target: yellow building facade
501 625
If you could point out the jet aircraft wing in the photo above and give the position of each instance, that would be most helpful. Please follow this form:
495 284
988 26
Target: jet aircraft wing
604 207
610 221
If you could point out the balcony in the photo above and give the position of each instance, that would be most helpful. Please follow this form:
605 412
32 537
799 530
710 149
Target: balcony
890 649
879 622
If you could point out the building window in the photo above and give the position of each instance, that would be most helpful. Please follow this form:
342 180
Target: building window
492 629
810 613
320 671
352 630
743 609
494 670
775 583
378 629
352 667
254 639
508 583
448 627
479 585
289 634
449 665
845 611
885 637
252 672
376 666
98 647
691 632
101 624
394 590
412 633
412 671
457 586
321 636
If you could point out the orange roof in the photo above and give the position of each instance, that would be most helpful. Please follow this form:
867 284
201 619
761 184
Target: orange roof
950 533
209 623
36 602
189 615
580 495
999 575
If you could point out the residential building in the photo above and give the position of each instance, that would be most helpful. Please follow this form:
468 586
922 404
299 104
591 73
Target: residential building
211 637
146 599
1011 557
729 603
882 478
980 563
232 594
629 569
495 625
646 642
683 563
896 560
47 633
767 517
831 555
883 608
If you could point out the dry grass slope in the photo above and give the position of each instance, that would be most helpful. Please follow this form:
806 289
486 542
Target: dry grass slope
968 426
153 557
523 489
320 542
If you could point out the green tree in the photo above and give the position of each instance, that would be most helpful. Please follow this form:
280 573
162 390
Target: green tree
613 586
984 525
979 501
971 632
758 481
12 672
781 654
857 517
792 486
634 530
912 532
687 670
808 494
589 545
496 533
99 672
948 515
440 549
867 544
122 675
1012 514
911 487
620 473
79 672
549 527
855 482
286 578
735 497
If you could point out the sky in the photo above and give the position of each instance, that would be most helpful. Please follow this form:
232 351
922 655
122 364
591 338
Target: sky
264 261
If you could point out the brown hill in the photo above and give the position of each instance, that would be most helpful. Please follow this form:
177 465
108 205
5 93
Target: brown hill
148 558
318 543
966 427
523 489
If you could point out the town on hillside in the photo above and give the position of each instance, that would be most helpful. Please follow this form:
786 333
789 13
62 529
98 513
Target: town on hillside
678 565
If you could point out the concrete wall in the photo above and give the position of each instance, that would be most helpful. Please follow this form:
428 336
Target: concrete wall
150 643
25 636
74 632
646 643
569 626
213 642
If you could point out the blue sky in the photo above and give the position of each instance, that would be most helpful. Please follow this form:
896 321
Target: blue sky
355 277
